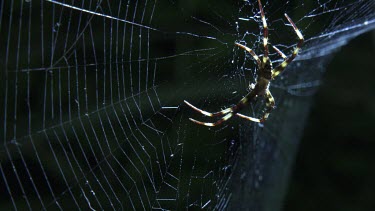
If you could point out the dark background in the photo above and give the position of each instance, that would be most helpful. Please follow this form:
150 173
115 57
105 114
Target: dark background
334 168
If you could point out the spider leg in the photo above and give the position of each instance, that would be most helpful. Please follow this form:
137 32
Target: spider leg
250 51
279 52
265 30
270 104
206 113
228 112
277 70
212 124
225 118
248 117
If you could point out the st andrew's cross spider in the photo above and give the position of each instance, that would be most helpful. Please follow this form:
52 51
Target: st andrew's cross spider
265 73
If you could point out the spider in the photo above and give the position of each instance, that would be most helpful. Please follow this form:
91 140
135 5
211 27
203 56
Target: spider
265 73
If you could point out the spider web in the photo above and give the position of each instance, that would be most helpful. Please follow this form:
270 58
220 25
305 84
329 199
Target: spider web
92 91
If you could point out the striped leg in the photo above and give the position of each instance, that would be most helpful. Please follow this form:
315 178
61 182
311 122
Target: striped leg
212 124
279 52
228 112
223 119
206 113
250 51
248 117
282 66
265 31
270 104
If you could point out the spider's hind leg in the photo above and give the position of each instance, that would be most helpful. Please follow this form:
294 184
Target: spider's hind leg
270 105
280 52
289 59
265 31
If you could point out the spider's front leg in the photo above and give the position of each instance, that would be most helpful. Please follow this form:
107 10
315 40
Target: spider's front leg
206 113
228 112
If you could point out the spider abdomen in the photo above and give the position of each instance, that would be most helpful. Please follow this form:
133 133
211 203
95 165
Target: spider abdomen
262 85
